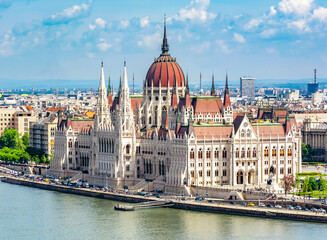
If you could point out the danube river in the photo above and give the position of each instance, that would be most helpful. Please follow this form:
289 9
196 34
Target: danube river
28 213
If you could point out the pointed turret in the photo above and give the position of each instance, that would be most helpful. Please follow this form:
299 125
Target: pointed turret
109 94
102 115
102 83
109 86
226 94
213 90
165 46
119 89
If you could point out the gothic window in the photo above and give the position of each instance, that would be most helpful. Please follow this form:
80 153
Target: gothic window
274 152
237 153
248 153
216 173
243 133
266 171
224 173
70 143
208 153
266 152
254 153
200 153
216 153
243 153
150 120
200 173
289 151
208 173
289 170
281 171
127 168
164 115
192 173
281 152
248 133
192 154
127 149
156 115
224 153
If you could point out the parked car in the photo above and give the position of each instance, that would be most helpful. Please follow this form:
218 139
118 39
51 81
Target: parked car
314 209
251 204
198 199
261 205
233 203
305 209
270 205
323 201
297 208
289 207
321 210
278 206
243 203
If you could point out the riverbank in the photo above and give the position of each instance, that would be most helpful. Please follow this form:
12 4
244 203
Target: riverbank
202 206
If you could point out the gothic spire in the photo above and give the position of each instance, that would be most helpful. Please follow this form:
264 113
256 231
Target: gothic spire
226 86
164 46
102 83
119 89
226 94
187 88
213 90
109 86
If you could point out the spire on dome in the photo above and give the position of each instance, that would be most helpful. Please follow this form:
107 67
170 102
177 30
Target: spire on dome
164 46
213 91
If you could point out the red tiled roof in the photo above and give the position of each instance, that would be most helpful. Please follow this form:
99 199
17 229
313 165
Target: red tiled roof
210 105
215 132
273 131
134 102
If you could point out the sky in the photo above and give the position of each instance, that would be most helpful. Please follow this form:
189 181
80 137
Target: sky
68 39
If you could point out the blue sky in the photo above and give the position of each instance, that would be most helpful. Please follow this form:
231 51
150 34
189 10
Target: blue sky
67 39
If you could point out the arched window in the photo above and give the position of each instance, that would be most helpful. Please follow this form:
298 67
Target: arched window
200 153
237 153
266 152
163 115
127 149
254 153
289 151
208 153
216 153
208 173
266 171
243 133
243 153
274 152
200 173
248 153
192 154
282 152
70 143
224 153
248 133
192 173
289 170
281 171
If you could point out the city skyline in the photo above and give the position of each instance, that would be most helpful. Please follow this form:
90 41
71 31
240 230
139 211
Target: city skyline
67 40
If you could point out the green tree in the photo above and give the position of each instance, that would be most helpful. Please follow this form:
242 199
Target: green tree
11 139
313 185
26 139
322 183
297 183
305 186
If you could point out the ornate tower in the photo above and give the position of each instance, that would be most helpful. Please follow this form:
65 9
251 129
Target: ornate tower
227 108
102 111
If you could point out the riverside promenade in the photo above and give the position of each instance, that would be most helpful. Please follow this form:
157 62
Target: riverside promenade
214 207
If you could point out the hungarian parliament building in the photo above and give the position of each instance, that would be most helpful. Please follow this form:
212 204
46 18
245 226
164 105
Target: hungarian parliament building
173 139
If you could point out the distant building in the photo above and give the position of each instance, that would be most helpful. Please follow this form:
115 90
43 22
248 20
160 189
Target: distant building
317 98
42 134
313 87
247 87
294 96
17 118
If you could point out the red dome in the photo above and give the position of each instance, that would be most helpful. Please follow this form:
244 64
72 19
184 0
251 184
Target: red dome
167 69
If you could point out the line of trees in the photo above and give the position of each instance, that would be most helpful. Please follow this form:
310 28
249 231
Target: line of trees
15 148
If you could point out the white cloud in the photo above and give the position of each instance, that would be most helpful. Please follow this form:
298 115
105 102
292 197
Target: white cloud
268 33
103 45
224 47
299 25
151 41
299 7
202 47
68 14
100 22
320 14
272 11
197 11
144 22
90 55
124 24
92 27
239 38
253 23
6 45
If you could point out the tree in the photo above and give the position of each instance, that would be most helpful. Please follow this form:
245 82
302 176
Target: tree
322 184
297 182
288 182
43 159
11 139
26 139
313 185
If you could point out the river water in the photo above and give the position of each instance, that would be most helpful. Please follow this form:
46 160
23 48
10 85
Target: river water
28 213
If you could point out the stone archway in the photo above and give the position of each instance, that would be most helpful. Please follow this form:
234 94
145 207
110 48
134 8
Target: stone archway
251 177
240 177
